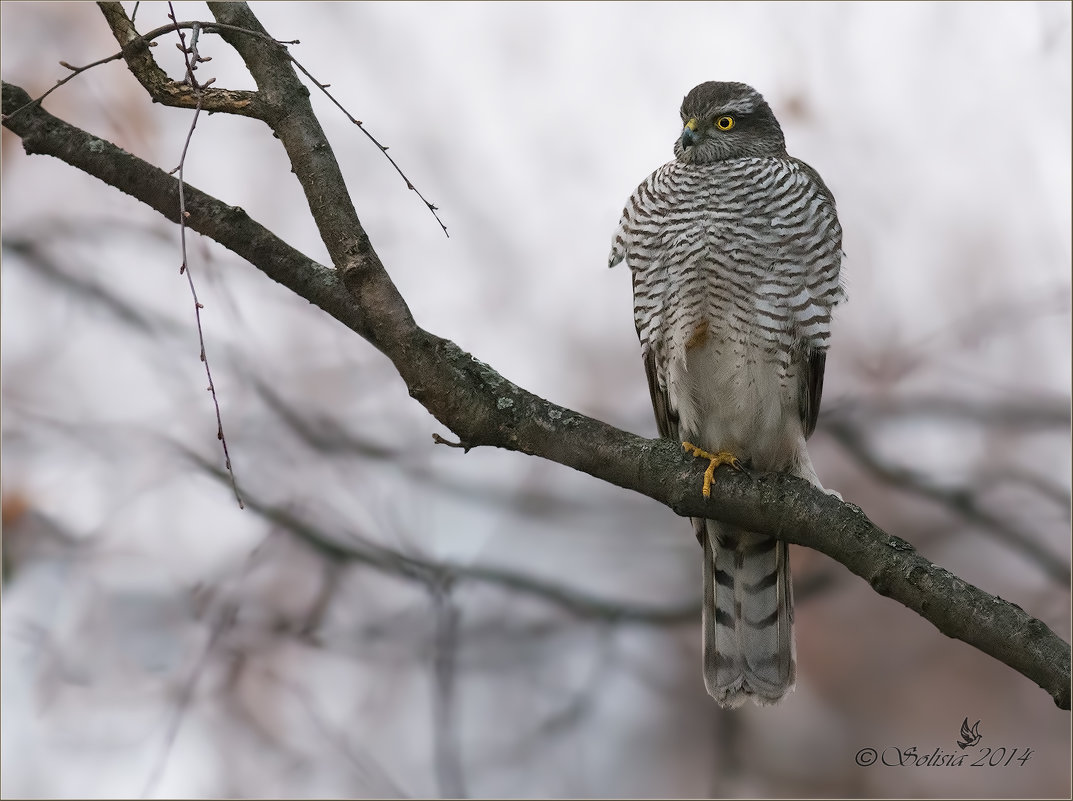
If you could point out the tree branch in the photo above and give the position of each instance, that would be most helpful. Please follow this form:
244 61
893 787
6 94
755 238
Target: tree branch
484 408
157 83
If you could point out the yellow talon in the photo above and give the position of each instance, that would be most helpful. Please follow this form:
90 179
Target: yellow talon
716 459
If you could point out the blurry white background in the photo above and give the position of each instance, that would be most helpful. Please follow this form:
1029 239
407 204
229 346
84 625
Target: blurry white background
490 624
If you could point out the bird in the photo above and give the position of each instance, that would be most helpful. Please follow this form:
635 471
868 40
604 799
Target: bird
735 251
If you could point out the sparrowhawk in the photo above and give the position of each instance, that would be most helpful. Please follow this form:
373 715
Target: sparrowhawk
735 251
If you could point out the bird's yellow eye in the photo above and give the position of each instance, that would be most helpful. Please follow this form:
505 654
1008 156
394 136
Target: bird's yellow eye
724 123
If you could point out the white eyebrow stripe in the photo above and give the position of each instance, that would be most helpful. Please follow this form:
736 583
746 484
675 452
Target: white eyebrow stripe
743 106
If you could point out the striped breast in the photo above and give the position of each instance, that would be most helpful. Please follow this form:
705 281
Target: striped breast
743 251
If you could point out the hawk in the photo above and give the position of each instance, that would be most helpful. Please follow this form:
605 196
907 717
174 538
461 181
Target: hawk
735 251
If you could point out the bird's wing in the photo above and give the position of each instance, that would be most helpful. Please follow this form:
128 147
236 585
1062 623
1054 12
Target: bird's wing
666 416
811 389
825 288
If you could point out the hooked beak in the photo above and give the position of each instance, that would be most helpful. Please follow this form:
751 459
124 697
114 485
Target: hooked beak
690 137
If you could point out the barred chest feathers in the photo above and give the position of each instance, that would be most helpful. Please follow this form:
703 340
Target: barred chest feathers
735 270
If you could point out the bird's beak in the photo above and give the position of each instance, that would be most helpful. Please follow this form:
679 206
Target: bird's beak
690 136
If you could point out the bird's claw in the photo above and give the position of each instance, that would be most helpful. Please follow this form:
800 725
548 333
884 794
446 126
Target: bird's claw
715 460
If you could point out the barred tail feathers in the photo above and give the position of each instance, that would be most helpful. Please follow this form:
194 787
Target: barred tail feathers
747 616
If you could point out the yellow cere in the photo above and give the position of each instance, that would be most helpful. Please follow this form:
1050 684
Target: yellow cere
692 124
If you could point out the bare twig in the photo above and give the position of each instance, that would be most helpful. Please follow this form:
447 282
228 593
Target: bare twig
441 441
383 148
75 71
192 58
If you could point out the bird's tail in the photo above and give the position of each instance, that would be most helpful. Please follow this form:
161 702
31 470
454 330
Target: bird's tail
748 616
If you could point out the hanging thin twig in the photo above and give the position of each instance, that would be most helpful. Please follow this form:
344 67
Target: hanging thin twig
192 60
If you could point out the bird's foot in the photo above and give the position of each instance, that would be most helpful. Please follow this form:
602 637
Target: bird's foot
715 459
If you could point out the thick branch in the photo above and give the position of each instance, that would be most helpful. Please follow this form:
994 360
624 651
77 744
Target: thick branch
292 120
139 58
484 408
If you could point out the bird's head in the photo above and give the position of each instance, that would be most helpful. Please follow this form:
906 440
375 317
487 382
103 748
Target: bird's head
727 121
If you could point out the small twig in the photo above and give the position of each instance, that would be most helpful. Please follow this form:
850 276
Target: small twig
191 64
441 441
192 58
75 71
383 148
